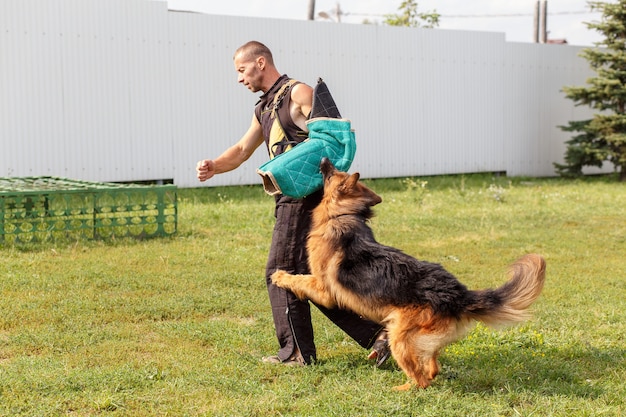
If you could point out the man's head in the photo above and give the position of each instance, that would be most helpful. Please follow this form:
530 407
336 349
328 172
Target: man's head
255 65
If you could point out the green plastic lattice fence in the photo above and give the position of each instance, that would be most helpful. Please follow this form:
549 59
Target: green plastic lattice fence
37 209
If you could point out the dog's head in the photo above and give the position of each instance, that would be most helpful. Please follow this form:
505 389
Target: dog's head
344 194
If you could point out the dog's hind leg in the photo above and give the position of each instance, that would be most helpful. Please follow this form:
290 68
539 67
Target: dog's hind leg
415 338
432 338
428 346
408 359
404 329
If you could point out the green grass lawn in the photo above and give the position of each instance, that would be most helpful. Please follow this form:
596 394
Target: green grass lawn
177 326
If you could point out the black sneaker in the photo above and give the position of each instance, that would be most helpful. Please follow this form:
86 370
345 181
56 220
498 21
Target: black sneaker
381 352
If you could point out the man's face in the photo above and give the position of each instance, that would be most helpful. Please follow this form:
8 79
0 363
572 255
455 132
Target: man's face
249 72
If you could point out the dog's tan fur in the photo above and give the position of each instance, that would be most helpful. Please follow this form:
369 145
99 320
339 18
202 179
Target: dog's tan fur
416 332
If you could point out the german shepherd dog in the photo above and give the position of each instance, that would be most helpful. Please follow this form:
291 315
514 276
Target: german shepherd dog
423 307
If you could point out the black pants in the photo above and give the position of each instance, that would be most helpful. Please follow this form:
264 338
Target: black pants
292 317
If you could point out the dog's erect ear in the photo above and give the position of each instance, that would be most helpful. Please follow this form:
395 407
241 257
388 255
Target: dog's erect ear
353 179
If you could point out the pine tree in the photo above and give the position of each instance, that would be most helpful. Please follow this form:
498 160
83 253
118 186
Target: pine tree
602 138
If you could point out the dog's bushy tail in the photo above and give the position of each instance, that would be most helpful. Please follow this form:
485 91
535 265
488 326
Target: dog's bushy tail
509 304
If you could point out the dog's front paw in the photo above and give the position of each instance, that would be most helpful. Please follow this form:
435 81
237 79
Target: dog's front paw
281 279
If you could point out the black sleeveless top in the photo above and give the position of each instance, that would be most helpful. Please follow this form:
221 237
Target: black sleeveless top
263 113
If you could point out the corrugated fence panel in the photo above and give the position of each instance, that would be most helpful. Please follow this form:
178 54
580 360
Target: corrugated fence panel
81 94
536 105
149 92
125 90
115 96
30 67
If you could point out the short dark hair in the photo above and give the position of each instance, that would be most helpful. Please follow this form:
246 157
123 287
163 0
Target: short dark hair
254 49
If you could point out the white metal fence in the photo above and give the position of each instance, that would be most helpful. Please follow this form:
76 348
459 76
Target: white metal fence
125 90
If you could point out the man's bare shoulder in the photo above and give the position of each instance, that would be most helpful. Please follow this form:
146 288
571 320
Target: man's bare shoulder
302 94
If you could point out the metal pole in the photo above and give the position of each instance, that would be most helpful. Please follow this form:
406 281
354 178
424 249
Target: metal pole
536 23
311 11
544 21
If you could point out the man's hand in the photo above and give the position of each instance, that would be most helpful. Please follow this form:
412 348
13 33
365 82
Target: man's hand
205 169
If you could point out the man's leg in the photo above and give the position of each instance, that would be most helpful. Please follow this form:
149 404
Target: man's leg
363 331
292 317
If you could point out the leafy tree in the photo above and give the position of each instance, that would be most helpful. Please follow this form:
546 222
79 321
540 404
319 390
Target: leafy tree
602 138
410 17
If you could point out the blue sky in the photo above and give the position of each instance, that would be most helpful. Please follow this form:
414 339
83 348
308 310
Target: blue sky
512 17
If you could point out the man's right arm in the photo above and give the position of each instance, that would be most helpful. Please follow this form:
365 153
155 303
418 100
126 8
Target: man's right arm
234 156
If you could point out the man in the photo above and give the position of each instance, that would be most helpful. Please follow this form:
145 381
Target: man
279 120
